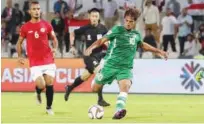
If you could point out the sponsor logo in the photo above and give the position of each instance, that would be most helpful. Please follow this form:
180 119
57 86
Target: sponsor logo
189 72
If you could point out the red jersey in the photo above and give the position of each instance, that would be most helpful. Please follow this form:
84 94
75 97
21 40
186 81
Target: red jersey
37 44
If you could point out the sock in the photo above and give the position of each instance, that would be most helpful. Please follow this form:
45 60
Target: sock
38 91
100 95
121 101
49 96
76 83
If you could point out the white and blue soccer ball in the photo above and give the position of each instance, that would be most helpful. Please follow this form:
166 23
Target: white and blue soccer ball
96 112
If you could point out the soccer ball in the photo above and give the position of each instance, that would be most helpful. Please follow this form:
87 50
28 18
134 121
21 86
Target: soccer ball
95 112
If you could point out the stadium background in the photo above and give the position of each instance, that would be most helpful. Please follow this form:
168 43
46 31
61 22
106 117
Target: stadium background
14 75
152 76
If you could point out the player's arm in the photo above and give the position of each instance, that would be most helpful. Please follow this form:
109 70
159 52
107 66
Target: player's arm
158 52
72 38
108 37
54 40
72 35
95 45
51 34
19 50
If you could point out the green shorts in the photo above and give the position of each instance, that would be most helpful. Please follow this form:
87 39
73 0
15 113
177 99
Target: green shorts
107 74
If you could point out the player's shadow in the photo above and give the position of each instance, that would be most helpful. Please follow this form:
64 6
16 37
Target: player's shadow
63 113
136 117
59 113
131 118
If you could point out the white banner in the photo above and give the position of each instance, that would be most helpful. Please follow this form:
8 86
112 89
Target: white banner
160 76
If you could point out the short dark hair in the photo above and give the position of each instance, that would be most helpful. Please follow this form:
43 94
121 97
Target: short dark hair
94 10
133 13
33 2
191 35
16 5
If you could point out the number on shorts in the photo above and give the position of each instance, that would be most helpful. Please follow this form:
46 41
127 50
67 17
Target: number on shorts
36 35
99 76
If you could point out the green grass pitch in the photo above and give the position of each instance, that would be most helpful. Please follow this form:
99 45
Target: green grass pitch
22 108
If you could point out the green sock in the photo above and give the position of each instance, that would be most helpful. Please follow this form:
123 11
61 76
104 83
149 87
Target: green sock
121 101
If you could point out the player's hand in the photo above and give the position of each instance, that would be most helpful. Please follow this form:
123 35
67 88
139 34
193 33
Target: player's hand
162 54
21 61
88 52
54 52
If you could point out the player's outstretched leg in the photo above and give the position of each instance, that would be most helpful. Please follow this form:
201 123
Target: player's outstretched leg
40 86
49 93
68 89
121 100
200 75
101 101
78 81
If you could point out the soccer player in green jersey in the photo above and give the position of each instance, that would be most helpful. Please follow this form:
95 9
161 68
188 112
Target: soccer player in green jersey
118 62
200 75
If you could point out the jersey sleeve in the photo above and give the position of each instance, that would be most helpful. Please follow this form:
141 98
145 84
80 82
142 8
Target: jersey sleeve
23 31
112 33
139 38
80 31
49 28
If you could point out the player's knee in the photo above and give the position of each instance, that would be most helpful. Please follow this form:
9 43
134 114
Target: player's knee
41 86
95 88
48 80
85 75
125 85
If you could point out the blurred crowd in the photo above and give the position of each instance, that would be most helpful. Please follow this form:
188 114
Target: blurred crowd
161 22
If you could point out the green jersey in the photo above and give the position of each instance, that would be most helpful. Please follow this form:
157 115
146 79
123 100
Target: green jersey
122 48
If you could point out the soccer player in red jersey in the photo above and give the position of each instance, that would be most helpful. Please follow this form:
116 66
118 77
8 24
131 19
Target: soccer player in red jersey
40 55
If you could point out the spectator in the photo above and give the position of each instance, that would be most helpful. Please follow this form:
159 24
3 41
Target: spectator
58 26
8 16
58 5
3 36
175 6
152 18
27 16
3 30
149 38
195 9
159 4
190 49
110 13
169 30
74 5
200 37
18 15
185 22
98 4
13 41
68 16
123 5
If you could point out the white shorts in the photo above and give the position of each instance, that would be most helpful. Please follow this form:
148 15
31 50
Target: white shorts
37 71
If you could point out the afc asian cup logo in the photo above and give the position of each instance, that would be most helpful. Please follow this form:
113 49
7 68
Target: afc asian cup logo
189 72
